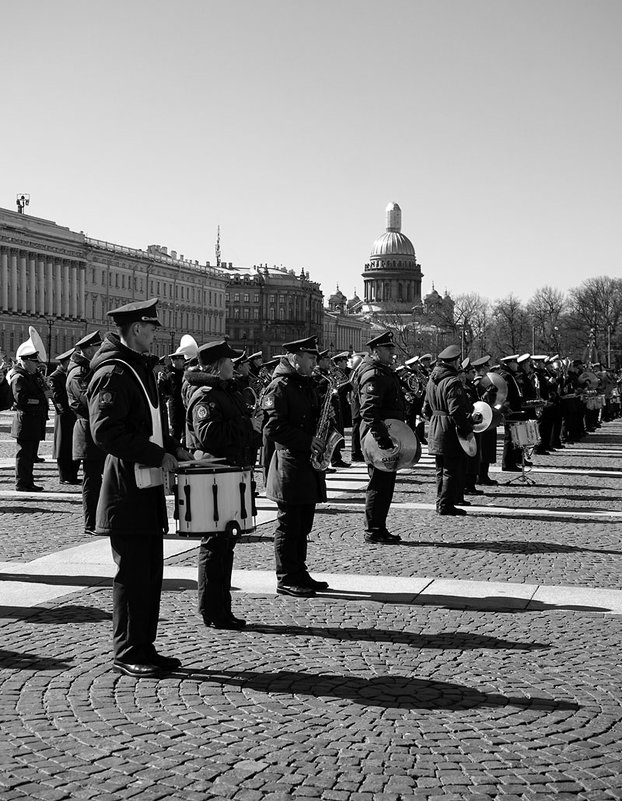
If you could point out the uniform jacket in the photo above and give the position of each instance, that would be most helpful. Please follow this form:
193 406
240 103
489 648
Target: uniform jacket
175 404
79 374
65 418
449 409
515 393
31 404
120 423
292 405
380 394
218 420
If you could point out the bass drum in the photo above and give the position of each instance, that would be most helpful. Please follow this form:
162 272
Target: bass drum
214 500
406 450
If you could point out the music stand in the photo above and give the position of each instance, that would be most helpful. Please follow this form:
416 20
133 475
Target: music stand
523 477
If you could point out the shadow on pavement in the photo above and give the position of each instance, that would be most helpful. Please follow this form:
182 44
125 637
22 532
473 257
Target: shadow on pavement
72 613
550 518
390 692
15 660
21 509
514 546
450 640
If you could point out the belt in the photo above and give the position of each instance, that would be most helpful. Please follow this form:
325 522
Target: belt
440 414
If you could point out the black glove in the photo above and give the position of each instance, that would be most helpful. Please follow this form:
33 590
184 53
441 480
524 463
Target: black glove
385 443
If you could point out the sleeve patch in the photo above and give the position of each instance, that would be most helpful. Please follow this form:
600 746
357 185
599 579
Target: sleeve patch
106 399
268 403
201 412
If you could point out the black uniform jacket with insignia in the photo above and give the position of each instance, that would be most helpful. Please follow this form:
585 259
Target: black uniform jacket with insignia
31 405
514 399
380 396
65 418
218 420
292 406
449 409
79 374
120 423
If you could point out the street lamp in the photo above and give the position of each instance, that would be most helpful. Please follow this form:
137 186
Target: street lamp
50 322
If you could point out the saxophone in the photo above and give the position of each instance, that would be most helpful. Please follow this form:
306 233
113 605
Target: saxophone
326 431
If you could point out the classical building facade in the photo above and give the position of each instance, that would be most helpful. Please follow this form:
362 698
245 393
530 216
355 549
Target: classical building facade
267 306
392 278
344 328
62 283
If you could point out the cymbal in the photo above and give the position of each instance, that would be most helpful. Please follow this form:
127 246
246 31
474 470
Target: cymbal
486 412
468 444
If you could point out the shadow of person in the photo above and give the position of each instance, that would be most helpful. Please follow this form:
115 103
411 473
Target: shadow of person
24 661
514 546
390 692
71 613
443 640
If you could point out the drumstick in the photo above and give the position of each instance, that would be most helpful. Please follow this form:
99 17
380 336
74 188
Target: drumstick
197 462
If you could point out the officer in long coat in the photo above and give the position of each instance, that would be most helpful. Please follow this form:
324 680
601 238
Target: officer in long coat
380 397
64 422
31 404
126 424
449 410
219 423
79 374
292 405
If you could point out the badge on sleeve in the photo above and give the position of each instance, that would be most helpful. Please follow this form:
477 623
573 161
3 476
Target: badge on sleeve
268 403
369 388
201 412
106 399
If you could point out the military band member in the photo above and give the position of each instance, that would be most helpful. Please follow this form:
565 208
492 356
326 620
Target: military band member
472 463
175 404
450 413
487 439
292 405
380 398
512 410
219 425
126 424
31 405
64 422
343 415
79 374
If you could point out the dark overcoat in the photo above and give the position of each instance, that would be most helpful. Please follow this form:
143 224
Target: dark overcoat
31 405
120 423
219 422
79 375
448 409
380 396
65 419
292 406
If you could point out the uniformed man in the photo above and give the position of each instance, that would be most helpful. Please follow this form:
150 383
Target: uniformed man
472 465
512 410
450 411
341 404
488 438
175 404
31 404
64 422
79 375
380 398
220 423
126 424
292 405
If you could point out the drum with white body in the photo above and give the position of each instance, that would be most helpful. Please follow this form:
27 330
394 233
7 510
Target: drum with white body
214 499
525 433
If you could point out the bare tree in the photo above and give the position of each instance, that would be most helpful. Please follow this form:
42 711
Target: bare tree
512 328
596 306
546 310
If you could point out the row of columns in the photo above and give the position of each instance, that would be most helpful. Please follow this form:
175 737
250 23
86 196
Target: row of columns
379 290
41 284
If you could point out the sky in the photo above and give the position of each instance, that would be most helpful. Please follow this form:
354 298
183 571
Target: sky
496 126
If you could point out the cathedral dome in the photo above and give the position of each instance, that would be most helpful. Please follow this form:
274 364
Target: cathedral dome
393 242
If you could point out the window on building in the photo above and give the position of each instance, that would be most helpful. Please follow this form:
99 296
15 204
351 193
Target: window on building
236 297
247 298
255 314
236 313
256 298
246 313
271 298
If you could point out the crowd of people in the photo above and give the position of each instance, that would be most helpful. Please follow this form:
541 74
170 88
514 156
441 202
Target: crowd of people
129 419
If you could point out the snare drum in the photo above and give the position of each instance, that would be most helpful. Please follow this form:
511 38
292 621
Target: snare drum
525 433
213 500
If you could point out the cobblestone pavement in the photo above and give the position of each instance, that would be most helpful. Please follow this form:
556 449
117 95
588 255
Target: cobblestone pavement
335 698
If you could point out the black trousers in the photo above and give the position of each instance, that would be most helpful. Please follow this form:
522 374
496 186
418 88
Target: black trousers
214 583
294 523
92 468
450 471
511 454
355 449
136 590
378 498
25 462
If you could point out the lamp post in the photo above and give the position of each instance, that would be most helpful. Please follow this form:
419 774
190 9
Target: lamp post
50 323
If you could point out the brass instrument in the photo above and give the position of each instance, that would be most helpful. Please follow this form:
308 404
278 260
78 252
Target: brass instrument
325 430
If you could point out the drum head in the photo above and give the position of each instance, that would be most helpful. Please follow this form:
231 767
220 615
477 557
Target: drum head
468 444
486 412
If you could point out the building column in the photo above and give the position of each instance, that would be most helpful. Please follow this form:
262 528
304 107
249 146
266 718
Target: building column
32 285
58 289
13 281
41 289
81 291
73 297
23 277
65 288
4 280
49 281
